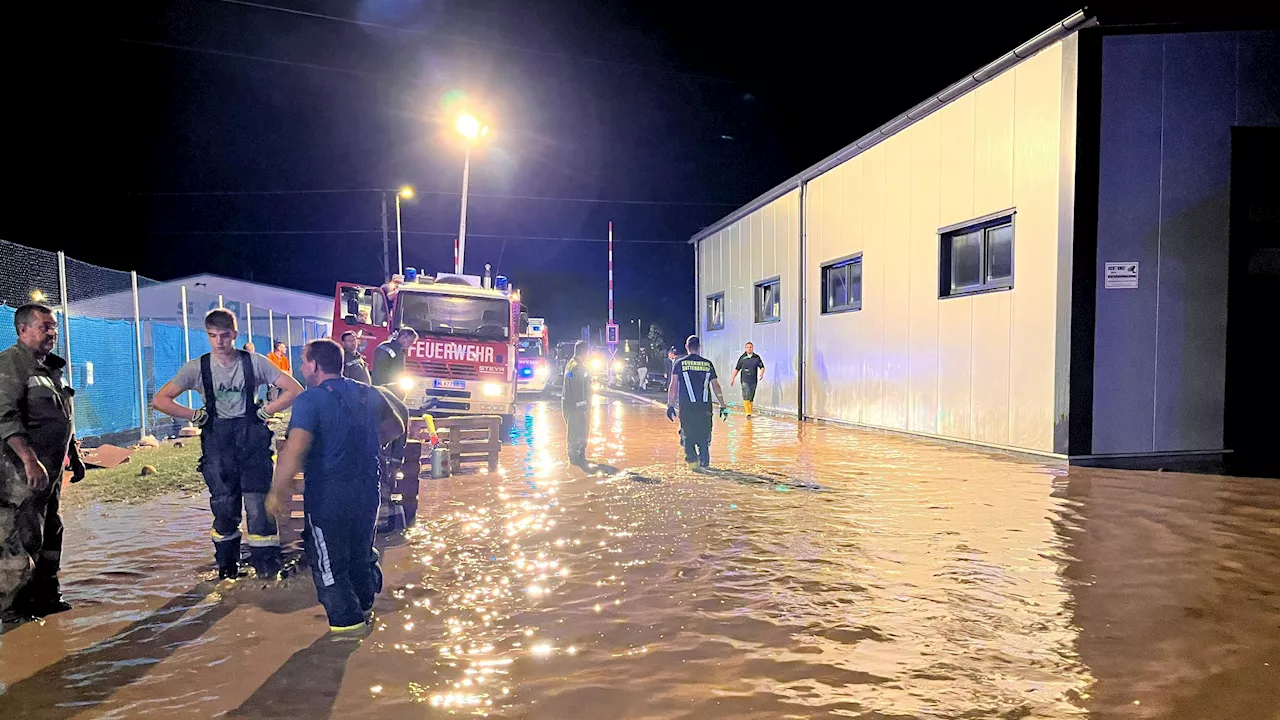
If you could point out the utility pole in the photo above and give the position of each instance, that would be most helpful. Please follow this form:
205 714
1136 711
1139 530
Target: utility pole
386 242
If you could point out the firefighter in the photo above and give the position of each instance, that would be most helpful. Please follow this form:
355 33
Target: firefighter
337 428
235 441
388 358
693 380
35 427
353 364
577 405
752 368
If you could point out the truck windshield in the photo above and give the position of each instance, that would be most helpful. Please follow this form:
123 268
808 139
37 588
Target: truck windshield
530 348
432 314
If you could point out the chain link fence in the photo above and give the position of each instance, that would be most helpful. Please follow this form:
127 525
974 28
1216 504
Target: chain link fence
125 335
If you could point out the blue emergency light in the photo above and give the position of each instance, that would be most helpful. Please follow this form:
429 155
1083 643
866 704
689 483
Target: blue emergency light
526 371
500 282
410 274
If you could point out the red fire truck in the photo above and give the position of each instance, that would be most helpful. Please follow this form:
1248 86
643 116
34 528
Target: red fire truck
464 361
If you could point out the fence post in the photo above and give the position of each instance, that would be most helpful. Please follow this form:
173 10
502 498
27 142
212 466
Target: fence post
186 340
288 334
271 329
219 301
248 307
66 318
137 334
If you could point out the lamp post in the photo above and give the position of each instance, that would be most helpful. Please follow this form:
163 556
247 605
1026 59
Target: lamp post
405 192
472 130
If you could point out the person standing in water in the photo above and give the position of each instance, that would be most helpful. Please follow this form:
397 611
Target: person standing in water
752 369
693 380
337 429
577 405
35 431
235 442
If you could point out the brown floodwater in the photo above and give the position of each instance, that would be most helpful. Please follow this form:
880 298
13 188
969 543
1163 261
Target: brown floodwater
819 572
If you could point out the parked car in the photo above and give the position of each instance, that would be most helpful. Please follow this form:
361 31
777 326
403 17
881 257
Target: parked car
654 381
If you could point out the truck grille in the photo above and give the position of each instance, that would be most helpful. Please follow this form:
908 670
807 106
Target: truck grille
446 370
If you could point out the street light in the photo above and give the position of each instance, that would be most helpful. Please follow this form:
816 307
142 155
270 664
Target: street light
406 192
471 129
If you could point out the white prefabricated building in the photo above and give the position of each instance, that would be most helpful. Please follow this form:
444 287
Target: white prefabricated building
1037 258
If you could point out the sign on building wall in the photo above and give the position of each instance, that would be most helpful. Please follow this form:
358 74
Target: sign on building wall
1121 276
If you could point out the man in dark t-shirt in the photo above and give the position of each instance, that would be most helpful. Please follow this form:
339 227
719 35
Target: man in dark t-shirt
693 381
752 369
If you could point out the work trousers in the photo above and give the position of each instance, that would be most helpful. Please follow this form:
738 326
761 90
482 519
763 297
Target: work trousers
30 543
577 425
344 564
748 391
695 430
236 464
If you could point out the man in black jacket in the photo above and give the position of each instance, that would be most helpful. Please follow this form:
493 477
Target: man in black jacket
388 358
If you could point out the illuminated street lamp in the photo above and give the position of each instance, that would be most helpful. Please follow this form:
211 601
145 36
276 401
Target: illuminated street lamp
471 129
406 192
37 296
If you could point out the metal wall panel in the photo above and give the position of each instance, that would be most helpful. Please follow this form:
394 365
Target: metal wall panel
955 315
1128 231
1038 120
897 283
925 139
873 285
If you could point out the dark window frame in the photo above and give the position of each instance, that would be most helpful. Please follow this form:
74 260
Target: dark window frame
756 298
825 271
710 324
984 224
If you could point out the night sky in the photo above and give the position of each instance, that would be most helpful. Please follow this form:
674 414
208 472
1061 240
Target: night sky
692 108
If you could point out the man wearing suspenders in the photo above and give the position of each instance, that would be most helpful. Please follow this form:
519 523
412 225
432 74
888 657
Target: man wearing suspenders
235 441
693 380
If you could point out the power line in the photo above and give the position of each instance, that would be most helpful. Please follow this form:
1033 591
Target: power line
544 238
454 193
242 56
470 41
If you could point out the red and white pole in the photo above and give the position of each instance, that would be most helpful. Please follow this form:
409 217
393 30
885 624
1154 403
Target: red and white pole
456 267
611 272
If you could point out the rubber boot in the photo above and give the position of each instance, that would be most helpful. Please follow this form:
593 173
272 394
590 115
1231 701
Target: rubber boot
267 562
227 555
746 404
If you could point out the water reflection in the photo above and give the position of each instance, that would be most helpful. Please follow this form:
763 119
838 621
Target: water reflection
818 571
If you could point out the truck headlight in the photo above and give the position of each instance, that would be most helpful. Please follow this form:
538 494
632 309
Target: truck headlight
618 365
596 364
492 389
541 371
406 383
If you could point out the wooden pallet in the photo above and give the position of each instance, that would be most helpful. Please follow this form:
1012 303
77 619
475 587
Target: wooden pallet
291 530
469 438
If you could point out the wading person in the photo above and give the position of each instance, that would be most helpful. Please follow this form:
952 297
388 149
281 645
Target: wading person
35 427
693 380
577 405
388 358
752 369
353 364
235 442
335 433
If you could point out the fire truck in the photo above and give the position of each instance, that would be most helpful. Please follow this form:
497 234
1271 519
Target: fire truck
464 361
533 359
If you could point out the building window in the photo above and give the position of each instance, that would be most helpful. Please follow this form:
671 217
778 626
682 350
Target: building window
715 311
768 300
977 256
842 285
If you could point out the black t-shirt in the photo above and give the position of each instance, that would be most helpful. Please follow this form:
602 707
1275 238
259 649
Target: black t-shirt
750 366
694 374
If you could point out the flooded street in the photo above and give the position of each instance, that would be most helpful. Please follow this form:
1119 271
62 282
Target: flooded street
819 572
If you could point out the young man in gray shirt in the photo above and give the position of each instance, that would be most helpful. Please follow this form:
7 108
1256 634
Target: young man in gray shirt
235 441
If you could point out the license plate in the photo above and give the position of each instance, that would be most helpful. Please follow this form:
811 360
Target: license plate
449 384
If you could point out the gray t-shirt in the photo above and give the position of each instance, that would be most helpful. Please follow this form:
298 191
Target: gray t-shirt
228 382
